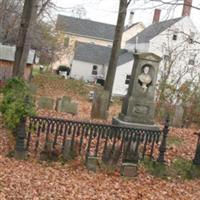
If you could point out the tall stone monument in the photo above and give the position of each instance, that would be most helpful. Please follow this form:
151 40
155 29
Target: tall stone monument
138 105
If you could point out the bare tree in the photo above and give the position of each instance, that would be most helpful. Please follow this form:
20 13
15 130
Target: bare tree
179 71
28 19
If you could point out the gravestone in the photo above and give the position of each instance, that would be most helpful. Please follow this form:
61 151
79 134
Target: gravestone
66 98
69 151
93 164
138 105
45 103
129 169
178 116
100 105
111 157
65 105
46 154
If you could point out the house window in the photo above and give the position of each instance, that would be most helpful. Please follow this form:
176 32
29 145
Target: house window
94 70
174 37
128 78
191 38
66 42
192 59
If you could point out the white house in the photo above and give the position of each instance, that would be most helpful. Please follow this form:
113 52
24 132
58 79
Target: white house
91 32
91 62
177 41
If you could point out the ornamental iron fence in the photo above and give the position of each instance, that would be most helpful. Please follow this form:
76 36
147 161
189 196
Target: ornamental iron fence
112 143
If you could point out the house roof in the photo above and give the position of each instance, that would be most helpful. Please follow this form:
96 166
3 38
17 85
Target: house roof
153 30
7 53
92 53
98 54
87 27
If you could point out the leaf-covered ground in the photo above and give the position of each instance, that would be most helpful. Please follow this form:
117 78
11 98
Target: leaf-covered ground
36 180
32 179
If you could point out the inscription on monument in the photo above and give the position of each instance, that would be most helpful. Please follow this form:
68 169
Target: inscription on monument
139 109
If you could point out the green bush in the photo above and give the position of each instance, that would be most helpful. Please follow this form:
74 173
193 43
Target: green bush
17 102
179 169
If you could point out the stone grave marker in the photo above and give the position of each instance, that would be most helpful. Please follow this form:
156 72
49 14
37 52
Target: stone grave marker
70 152
93 164
45 103
178 116
65 105
129 169
138 106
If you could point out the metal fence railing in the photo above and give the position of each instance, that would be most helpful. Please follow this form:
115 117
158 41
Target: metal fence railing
109 142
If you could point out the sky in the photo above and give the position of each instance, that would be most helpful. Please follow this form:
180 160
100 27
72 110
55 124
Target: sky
106 10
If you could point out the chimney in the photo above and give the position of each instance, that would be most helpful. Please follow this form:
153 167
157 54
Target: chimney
187 8
130 21
156 17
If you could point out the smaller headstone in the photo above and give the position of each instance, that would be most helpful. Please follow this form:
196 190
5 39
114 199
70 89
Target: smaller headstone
66 98
100 105
109 157
45 103
58 104
106 157
178 116
130 154
65 105
93 164
20 155
71 108
129 170
70 152
33 88
46 154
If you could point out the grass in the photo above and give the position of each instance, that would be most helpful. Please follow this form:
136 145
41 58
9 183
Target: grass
56 82
36 71
179 169
174 140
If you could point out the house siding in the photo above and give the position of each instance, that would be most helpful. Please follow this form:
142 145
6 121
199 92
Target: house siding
6 68
83 70
119 86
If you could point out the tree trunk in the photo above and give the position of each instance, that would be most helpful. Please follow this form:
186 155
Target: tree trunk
24 37
116 46
101 101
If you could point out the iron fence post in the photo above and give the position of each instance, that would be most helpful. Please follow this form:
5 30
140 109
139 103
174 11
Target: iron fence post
163 145
196 160
20 149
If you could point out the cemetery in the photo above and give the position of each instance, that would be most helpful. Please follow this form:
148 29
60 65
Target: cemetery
63 132
105 111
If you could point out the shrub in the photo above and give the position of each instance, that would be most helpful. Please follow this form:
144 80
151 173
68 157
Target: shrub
179 169
17 102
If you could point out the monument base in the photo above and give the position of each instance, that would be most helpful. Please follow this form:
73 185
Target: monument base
117 121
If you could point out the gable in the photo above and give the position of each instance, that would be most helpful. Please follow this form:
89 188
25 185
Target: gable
153 30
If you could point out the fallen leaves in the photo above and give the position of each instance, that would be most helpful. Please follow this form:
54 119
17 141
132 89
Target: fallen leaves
31 180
